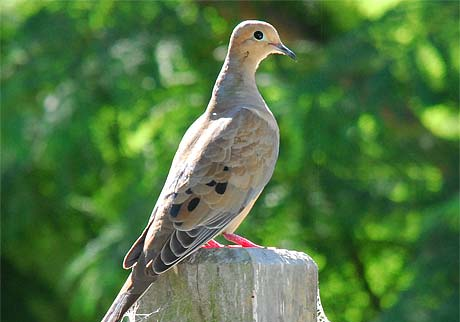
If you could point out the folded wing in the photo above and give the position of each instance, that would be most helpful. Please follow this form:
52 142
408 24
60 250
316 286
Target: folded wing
220 168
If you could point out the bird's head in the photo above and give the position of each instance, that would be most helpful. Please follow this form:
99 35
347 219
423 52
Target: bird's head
253 40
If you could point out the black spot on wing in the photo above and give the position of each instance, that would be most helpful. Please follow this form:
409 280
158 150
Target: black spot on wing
226 168
221 187
175 208
193 204
211 183
189 191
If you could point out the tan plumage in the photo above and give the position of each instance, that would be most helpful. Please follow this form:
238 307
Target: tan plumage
224 161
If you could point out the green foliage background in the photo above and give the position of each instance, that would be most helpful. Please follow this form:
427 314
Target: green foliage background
96 96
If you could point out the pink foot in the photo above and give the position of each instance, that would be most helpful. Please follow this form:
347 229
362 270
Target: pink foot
212 244
240 241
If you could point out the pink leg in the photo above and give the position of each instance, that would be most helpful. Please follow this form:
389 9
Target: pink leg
212 244
241 241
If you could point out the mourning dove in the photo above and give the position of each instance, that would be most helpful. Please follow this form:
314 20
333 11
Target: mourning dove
223 162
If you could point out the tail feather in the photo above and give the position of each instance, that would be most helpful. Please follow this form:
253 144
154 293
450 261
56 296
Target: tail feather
127 296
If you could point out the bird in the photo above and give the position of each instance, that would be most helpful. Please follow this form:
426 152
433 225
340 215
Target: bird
223 162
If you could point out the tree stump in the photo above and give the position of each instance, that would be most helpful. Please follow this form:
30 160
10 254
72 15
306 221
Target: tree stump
234 285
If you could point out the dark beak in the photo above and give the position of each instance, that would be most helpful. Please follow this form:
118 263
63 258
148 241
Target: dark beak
285 51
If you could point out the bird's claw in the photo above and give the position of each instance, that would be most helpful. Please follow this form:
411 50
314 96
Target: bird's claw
213 244
240 241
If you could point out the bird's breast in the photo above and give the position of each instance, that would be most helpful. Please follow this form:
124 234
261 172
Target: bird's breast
254 150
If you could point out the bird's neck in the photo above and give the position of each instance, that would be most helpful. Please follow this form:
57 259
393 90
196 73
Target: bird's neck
235 85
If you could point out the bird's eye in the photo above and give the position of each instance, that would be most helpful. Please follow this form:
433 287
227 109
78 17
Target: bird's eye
258 35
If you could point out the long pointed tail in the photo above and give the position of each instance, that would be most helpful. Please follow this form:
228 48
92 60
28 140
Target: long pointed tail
128 294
